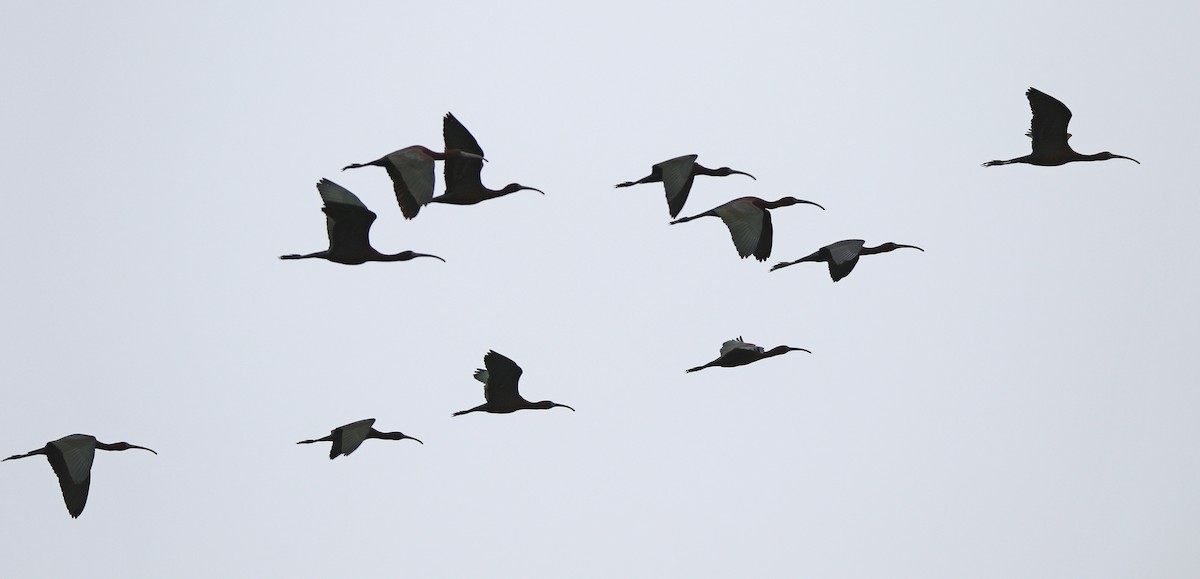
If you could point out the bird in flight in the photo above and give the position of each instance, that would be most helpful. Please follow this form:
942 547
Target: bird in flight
843 256
500 376
676 176
737 352
348 223
749 223
71 458
346 438
1048 130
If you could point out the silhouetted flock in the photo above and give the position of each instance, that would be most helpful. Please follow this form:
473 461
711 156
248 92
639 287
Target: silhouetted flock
411 169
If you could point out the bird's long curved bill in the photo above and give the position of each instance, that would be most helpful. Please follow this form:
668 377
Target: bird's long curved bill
817 204
427 255
536 189
746 174
1130 158
910 246
565 406
411 438
141 447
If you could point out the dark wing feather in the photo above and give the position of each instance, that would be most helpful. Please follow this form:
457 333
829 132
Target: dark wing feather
74 494
1048 129
763 250
503 375
461 173
349 228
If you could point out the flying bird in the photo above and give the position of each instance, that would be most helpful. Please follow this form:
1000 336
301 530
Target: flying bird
71 458
348 222
463 186
843 256
346 438
500 388
411 170
676 176
749 222
1048 130
737 352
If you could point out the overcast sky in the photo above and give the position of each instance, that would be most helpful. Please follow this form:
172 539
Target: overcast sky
1017 401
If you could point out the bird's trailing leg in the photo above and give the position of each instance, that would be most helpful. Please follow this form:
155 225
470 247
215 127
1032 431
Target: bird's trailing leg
326 438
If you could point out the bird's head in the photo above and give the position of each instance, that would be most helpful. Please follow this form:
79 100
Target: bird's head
726 171
121 446
786 201
1107 155
889 246
546 405
514 187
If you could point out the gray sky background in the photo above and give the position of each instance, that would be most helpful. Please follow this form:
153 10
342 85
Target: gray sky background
1018 401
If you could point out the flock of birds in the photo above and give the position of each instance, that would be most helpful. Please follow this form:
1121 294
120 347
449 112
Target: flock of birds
348 224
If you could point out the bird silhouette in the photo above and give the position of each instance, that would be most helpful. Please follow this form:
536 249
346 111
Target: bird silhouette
1048 130
463 185
71 458
411 170
737 352
347 438
500 388
843 256
749 222
676 176
348 223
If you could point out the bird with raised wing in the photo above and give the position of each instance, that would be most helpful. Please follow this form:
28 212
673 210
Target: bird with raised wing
676 175
843 256
749 223
1048 130
411 170
738 352
500 376
348 223
463 185
71 458
347 438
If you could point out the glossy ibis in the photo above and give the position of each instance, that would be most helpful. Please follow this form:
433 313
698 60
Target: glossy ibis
346 438
843 255
71 458
737 352
500 388
1048 130
749 222
463 186
676 176
411 170
348 222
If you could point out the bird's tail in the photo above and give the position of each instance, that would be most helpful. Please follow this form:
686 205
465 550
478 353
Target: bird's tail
625 184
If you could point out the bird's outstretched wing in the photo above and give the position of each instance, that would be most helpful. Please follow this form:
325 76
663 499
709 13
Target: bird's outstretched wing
1048 129
677 177
461 172
843 256
747 224
346 439
411 171
502 377
71 458
347 220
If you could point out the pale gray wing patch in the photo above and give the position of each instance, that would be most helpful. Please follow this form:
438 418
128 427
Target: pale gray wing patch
744 221
481 375
417 171
78 451
844 251
734 344
333 193
676 174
